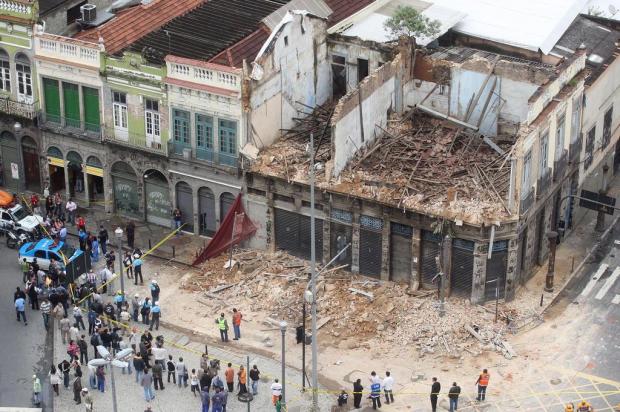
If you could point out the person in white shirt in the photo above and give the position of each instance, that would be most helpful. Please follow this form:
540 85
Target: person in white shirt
276 391
160 355
71 207
388 384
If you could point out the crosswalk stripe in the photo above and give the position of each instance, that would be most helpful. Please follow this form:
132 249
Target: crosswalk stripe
608 284
601 269
616 300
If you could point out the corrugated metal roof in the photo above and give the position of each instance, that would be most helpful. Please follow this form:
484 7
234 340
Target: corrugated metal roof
528 24
316 7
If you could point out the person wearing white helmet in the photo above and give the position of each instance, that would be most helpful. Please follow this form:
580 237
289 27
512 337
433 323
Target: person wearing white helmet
154 290
88 401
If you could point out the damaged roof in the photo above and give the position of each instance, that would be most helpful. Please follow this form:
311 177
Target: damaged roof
419 163
135 22
207 30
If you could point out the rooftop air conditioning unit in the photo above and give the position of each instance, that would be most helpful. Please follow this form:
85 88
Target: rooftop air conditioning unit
89 12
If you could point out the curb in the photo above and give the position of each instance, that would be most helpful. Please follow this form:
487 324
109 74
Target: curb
580 265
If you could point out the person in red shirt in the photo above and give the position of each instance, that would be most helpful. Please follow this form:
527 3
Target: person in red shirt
81 223
34 202
236 320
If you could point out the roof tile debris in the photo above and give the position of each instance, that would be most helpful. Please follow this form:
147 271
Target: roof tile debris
246 49
420 163
344 8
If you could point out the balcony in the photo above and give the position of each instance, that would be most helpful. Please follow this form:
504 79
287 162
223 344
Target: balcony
19 109
575 150
64 125
135 141
543 183
180 150
66 49
559 167
527 201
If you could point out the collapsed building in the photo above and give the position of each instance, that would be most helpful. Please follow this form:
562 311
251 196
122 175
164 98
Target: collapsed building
453 159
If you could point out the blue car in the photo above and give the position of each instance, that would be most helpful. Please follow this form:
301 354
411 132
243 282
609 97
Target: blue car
46 249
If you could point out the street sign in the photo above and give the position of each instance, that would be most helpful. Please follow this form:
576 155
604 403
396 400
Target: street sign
14 171
590 197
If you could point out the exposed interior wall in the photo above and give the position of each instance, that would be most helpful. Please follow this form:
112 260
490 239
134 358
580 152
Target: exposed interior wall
293 68
379 93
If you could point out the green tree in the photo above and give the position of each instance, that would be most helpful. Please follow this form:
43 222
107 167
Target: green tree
407 21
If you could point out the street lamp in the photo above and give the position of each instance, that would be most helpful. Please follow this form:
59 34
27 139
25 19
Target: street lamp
108 359
119 236
17 127
283 330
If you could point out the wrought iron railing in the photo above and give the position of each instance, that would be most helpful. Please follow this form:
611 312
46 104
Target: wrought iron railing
575 150
64 125
527 201
543 183
135 140
19 109
559 166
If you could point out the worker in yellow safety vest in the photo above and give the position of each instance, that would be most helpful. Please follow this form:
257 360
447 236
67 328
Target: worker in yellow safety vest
223 327
584 407
483 382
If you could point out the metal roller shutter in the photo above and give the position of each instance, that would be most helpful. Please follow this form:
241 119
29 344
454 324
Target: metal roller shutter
293 234
370 245
461 277
496 269
400 252
431 246
185 203
206 205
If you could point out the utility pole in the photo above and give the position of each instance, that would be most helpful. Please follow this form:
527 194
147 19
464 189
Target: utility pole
119 236
315 351
283 326
600 217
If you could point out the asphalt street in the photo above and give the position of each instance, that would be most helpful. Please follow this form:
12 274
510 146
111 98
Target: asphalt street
26 350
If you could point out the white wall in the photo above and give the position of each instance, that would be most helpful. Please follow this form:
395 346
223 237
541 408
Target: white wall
295 68
346 134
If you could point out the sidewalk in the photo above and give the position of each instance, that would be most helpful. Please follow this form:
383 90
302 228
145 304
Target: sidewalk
131 398
182 248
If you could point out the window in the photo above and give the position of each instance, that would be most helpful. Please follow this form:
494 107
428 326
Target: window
575 119
152 120
607 127
5 72
40 254
51 96
204 131
339 74
362 69
91 108
559 138
589 147
286 40
24 78
119 111
181 127
71 98
525 181
228 142
544 154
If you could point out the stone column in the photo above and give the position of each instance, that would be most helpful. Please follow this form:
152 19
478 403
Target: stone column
86 188
480 272
67 185
511 270
270 233
446 257
385 248
195 206
416 249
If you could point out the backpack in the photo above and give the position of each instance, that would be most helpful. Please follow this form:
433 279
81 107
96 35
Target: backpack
95 340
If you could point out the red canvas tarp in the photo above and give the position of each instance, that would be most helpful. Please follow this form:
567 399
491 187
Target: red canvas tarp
223 238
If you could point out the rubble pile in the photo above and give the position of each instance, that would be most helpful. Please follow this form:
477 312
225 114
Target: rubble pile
353 310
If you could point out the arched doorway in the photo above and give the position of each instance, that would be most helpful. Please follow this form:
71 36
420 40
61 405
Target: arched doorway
76 174
125 188
226 202
32 171
185 203
206 214
56 166
157 198
10 161
94 175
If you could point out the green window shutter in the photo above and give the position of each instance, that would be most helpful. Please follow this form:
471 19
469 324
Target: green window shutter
91 108
72 104
52 100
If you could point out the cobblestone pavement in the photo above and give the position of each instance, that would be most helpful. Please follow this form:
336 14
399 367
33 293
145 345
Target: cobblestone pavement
131 398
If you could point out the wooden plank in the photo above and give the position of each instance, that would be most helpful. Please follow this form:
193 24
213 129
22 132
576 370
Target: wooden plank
361 292
473 333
